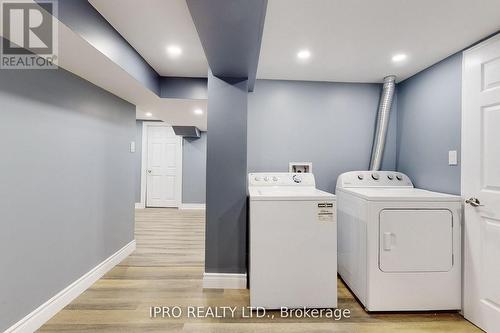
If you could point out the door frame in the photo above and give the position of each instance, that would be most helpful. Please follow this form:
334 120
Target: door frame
144 161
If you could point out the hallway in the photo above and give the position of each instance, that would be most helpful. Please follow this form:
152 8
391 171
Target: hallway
166 270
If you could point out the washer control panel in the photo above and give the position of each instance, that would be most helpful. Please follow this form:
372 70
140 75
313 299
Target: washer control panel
373 179
280 179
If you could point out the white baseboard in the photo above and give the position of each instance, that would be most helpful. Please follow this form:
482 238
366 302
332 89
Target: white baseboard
140 205
224 281
192 206
44 312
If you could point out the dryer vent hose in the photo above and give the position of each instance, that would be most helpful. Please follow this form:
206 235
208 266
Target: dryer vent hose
383 114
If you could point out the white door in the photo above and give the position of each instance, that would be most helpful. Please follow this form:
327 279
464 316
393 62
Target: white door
163 167
481 183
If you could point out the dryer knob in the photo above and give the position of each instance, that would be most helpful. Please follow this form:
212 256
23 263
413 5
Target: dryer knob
375 176
360 177
399 177
391 177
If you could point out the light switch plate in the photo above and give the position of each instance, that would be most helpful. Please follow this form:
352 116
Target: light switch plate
132 146
452 157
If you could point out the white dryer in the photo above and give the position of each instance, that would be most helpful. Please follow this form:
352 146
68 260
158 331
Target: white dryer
399 248
293 242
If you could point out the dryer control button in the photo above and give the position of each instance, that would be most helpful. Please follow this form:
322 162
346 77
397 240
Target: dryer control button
375 176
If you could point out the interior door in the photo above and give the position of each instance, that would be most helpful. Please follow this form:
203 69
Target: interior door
163 166
481 183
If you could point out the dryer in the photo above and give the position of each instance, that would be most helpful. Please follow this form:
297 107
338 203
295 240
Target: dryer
399 248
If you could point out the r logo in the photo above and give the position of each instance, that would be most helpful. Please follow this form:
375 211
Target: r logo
27 27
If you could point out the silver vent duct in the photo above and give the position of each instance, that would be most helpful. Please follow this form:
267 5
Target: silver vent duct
384 111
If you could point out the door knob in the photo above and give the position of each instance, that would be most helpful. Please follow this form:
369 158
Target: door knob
474 202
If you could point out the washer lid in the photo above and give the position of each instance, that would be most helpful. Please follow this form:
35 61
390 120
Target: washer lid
285 193
400 194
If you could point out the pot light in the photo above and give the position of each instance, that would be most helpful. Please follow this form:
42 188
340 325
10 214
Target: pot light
399 57
174 51
148 114
198 112
304 54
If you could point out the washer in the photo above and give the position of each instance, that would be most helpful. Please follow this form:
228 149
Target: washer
293 242
399 247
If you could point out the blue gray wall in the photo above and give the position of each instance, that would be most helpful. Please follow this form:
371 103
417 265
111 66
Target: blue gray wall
226 214
194 169
194 166
81 17
183 87
67 184
329 124
138 160
429 125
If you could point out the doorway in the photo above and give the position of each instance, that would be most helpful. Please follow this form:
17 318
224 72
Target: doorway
161 169
481 183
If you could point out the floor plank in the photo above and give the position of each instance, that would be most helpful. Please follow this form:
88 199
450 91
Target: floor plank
167 269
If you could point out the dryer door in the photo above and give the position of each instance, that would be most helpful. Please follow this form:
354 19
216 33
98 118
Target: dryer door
416 240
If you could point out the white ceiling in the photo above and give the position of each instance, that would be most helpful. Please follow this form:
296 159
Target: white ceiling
349 40
354 40
81 58
175 111
150 26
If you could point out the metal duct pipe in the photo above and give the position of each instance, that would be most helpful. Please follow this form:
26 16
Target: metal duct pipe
384 111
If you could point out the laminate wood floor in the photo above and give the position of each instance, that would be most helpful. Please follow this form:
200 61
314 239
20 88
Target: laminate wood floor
166 270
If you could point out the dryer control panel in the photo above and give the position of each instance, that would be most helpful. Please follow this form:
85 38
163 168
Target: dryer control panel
373 179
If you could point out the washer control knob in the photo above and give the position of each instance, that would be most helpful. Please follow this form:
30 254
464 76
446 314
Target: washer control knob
266 178
258 179
390 176
375 176
297 179
360 177
275 178
399 177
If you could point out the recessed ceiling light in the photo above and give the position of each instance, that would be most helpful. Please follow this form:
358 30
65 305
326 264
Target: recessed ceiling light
174 51
399 57
198 111
304 54
148 114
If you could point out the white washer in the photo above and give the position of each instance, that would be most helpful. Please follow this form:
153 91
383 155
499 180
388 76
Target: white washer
399 247
293 242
